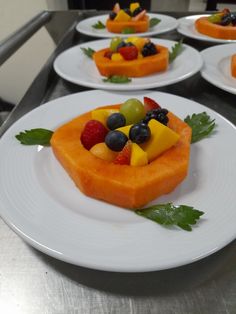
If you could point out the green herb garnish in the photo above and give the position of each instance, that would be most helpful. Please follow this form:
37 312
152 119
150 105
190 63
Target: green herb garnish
99 25
35 137
128 30
201 125
118 79
88 52
154 21
167 214
175 50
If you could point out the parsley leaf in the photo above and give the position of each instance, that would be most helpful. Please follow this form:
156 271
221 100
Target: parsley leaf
88 52
128 30
175 50
167 214
118 79
99 25
35 137
201 125
154 21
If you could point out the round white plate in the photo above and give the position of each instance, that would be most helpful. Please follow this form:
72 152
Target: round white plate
186 27
40 202
217 66
166 24
74 66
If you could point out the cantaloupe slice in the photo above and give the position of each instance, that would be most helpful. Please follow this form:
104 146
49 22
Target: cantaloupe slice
208 28
122 185
233 65
132 68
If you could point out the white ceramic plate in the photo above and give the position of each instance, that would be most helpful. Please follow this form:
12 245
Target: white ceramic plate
217 66
74 66
40 202
166 24
186 27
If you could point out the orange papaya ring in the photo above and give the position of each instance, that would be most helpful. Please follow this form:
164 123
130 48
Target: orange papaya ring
208 28
140 26
122 185
233 65
132 68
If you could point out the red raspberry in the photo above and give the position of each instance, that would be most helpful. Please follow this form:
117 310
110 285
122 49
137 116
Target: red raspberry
94 132
123 157
129 52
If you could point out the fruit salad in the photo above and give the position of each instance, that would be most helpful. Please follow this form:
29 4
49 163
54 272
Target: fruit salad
126 154
220 25
128 20
133 57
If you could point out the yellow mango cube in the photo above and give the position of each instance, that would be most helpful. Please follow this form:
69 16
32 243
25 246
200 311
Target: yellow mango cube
133 6
162 138
138 156
122 16
125 129
116 57
102 115
139 42
101 150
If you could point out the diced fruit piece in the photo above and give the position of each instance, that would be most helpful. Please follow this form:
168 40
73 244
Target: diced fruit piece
127 10
159 114
102 114
139 42
233 65
94 132
125 129
150 104
133 6
115 42
139 133
129 52
133 110
116 8
102 151
108 54
215 18
123 157
112 15
137 11
116 120
149 49
122 17
138 156
117 57
116 140
139 16
162 138
140 56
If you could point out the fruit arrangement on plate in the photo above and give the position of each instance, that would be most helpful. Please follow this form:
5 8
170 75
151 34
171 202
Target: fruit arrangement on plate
220 25
126 154
133 57
128 20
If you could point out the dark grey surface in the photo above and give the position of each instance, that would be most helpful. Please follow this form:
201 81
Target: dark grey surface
31 282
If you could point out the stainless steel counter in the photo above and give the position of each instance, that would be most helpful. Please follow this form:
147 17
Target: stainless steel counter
32 282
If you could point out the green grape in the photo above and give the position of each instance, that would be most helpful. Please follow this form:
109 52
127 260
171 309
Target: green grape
133 110
114 43
215 18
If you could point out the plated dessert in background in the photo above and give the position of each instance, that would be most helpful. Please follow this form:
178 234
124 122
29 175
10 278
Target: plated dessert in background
94 64
219 27
219 66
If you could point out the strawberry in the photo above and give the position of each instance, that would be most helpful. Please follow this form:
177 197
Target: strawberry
123 157
139 16
94 132
150 104
129 52
108 54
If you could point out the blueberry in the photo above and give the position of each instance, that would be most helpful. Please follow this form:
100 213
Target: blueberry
233 19
149 49
139 133
124 44
116 120
137 11
112 15
157 114
225 20
127 11
116 140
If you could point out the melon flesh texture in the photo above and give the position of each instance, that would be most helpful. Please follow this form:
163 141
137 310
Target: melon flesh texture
121 185
208 28
233 65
